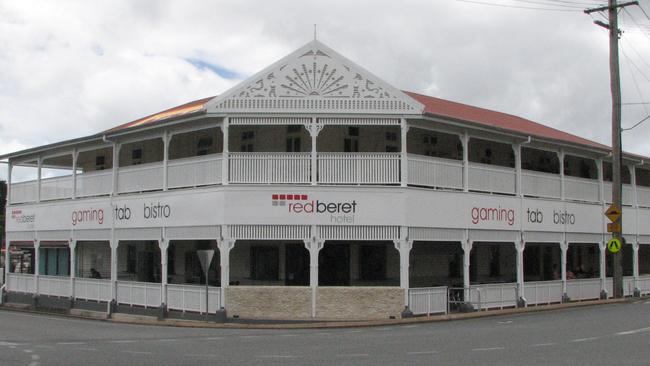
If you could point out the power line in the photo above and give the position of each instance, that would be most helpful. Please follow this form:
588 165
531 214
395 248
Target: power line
636 124
516 6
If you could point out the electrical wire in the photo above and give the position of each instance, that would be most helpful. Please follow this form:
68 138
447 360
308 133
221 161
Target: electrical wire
517 6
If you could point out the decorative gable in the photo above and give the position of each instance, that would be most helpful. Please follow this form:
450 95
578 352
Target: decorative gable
315 79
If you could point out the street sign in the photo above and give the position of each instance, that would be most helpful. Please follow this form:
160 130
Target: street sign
614 245
613 213
205 257
613 227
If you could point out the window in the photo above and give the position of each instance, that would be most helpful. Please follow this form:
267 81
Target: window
293 144
100 162
353 131
351 145
372 263
294 128
136 156
247 148
203 146
247 135
391 148
265 263
391 136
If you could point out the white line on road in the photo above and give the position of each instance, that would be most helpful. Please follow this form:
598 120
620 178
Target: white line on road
488 349
354 355
210 338
250 336
28 351
9 344
84 349
410 326
43 346
137 352
543 344
276 356
422 353
168 340
322 333
204 355
354 331
288 335
635 331
584 339
123 341
70 343
36 357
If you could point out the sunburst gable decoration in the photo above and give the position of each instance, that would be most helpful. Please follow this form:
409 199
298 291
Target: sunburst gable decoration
315 79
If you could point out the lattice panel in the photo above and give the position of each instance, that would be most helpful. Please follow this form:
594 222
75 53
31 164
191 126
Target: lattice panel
494 236
543 237
269 232
435 234
269 120
359 232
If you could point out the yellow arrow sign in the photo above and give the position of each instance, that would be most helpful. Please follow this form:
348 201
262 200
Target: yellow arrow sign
613 213
614 245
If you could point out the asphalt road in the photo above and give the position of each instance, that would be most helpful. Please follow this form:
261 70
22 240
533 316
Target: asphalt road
616 334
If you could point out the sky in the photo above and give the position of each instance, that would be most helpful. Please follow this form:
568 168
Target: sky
74 68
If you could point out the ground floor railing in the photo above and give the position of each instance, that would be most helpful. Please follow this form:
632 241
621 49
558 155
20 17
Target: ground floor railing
92 289
428 300
494 296
54 286
583 289
192 298
145 294
543 292
643 284
18 282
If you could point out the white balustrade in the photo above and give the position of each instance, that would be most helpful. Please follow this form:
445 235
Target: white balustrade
194 171
541 184
435 172
19 282
24 192
583 289
493 296
643 284
140 178
54 286
428 300
56 188
359 168
92 289
94 183
542 292
643 196
627 193
491 178
145 294
192 298
581 189
628 286
269 167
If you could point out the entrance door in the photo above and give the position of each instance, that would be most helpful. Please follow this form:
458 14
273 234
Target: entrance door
334 265
296 265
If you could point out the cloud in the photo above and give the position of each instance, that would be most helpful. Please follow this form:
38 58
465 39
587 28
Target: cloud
70 68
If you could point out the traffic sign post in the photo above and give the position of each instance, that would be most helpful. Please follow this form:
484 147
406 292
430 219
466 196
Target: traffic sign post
205 258
614 214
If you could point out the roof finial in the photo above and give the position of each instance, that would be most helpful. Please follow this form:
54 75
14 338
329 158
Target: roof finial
314 32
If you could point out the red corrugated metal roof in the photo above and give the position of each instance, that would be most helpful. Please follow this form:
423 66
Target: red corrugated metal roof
445 108
433 106
181 110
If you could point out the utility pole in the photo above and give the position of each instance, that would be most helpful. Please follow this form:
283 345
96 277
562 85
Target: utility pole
615 85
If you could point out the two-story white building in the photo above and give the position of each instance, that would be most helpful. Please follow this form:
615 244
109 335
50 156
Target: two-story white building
326 193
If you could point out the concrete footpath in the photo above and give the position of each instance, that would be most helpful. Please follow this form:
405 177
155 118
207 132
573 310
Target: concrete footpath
316 324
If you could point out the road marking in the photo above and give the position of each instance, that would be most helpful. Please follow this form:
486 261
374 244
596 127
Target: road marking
288 335
488 349
410 326
354 331
380 329
123 341
322 333
354 355
202 355
9 344
36 357
505 322
137 352
543 344
168 340
584 339
43 346
28 351
422 353
276 356
210 338
635 331
84 349
70 343
250 336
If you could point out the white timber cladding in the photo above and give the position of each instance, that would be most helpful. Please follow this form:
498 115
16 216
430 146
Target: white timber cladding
193 232
20 236
138 234
542 237
435 234
494 236
644 239
317 79
270 232
98 234
584 238
53 235
358 232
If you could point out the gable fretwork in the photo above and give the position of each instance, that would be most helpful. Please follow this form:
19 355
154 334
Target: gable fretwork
315 79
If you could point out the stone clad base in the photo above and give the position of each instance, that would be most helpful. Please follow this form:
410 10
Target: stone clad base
269 302
362 303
